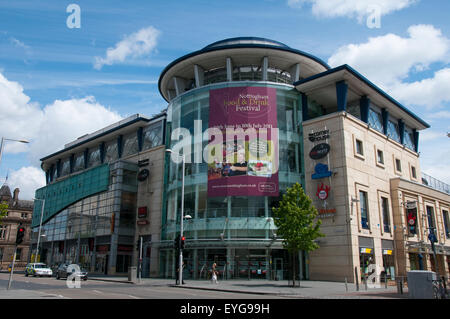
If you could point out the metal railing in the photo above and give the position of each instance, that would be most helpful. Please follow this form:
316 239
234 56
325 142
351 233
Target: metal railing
435 183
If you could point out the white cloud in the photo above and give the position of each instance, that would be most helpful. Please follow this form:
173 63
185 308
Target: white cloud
431 92
47 129
27 179
135 45
388 59
352 8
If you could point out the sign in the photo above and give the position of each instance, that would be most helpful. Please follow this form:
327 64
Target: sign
411 204
245 156
319 136
387 252
324 213
143 175
319 151
322 191
142 212
142 222
366 250
321 171
143 162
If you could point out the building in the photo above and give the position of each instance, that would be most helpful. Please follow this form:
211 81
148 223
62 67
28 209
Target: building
19 212
345 140
103 194
251 117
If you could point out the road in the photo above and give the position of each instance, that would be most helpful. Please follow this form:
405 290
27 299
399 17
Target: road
93 289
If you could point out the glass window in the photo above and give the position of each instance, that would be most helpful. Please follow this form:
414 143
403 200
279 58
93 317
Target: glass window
94 157
364 209
398 165
130 144
430 217
2 232
65 167
393 131
413 172
380 157
446 223
409 139
385 211
111 152
152 136
359 147
78 162
215 76
375 120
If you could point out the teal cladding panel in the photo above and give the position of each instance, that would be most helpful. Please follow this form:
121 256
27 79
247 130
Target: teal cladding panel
62 194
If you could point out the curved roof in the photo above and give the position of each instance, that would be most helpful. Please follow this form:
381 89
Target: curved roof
230 46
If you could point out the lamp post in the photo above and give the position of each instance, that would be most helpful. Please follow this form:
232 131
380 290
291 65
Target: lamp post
180 261
40 226
3 142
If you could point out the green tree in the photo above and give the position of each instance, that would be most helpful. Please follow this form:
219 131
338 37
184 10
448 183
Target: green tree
3 210
296 221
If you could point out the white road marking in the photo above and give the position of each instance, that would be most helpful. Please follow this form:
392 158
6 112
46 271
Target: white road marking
134 297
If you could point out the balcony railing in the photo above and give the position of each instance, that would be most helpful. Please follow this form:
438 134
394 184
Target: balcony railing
434 183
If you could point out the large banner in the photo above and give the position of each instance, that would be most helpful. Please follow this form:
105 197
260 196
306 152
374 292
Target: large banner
243 145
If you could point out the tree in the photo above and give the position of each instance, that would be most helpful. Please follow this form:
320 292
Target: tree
295 219
3 210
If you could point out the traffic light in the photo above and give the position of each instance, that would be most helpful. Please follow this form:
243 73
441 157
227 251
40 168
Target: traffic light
176 242
182 242
20 234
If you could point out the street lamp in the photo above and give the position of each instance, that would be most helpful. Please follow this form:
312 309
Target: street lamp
180 261
40 226
2 143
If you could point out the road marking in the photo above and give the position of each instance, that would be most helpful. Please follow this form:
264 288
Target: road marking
99 292
134 297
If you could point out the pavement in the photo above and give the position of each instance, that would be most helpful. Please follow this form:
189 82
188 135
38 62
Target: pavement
307 289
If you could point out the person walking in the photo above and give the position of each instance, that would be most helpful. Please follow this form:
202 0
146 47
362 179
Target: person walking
214 274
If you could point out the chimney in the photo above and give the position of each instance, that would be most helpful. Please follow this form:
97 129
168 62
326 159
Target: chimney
16 195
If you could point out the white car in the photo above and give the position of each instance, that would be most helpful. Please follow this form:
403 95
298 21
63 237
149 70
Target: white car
38 269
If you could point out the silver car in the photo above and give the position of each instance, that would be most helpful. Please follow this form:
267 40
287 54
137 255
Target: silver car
38 269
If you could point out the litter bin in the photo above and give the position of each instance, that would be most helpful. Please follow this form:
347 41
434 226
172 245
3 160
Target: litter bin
132 274
420 284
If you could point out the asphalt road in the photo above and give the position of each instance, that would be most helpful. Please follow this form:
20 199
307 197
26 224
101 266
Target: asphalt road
92 289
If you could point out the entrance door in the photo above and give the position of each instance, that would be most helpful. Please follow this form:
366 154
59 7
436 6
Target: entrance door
278 268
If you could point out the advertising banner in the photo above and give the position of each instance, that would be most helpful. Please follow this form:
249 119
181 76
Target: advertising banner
243 145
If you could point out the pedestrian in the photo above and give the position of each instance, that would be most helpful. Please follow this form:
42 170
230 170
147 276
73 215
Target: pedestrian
214 274
177 275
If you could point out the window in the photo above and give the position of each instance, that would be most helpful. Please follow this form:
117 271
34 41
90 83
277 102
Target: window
130 144
111 153
393 131
398 165
409 139
24 215
78 162
375 120
94 157
152 136
65 167
18 254
413 172
385 211
2 232
364 209
446 223
359 147
430 217
380 157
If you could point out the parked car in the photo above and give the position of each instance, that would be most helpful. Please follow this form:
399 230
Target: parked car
63 273
38 269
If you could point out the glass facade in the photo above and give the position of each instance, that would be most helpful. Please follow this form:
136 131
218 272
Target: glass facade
234 231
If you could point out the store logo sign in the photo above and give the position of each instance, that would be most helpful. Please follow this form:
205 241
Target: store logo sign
322 191
143 175
319 151
321 171
319 136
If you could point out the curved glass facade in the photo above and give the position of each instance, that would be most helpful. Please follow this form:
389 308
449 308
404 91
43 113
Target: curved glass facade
234 231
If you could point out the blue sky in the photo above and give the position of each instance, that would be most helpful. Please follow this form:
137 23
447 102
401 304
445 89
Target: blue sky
47 70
